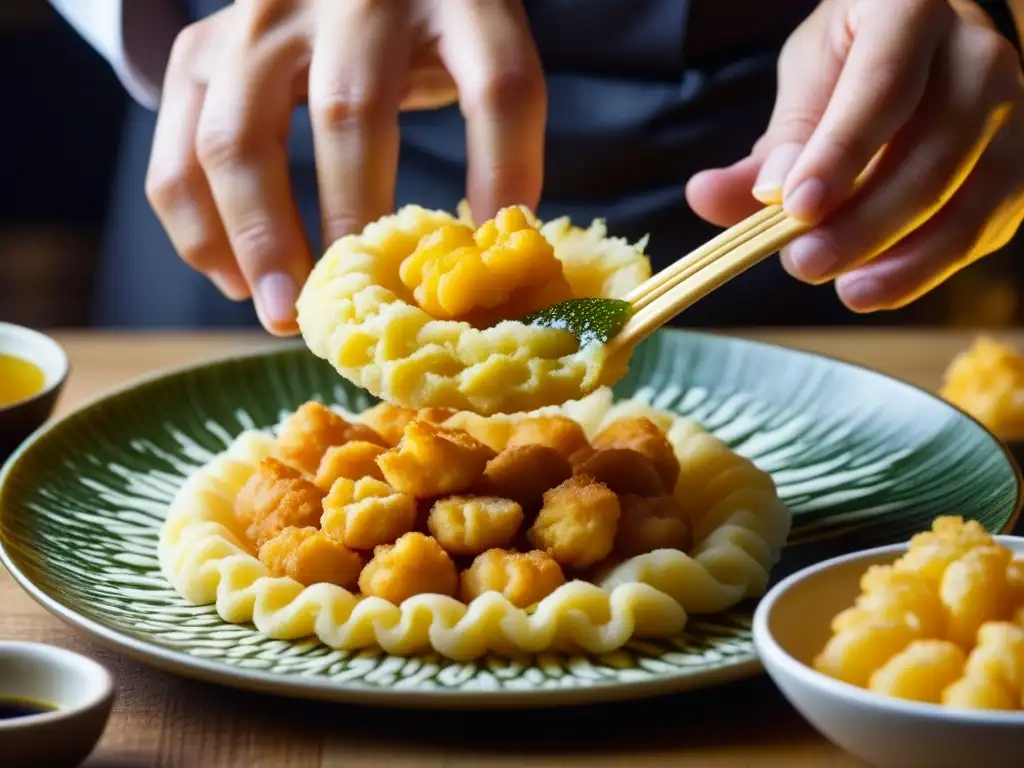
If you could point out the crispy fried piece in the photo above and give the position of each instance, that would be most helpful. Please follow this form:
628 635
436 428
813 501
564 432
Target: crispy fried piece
353 460
434 461
435 414
363 514
413 565
522 473
649 524
524 579
492 432
622 469
645 437
469 525
306 435
276 497
558 432
577 523
388 421
310 557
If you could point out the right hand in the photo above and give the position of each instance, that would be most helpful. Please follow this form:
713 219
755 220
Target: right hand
218 176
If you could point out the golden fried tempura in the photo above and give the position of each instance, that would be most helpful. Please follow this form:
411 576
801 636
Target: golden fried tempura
979 693
413 565
646 438
974 591
310 557
469 525
490 431
1015 581
649 524
433 461
558 432
920 672
523 473
931 552
999 655
623 470
524 579
388 421
306 435
578 522
277 497
354 460
435 414
366 513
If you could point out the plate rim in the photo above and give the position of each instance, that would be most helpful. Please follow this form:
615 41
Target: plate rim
168 659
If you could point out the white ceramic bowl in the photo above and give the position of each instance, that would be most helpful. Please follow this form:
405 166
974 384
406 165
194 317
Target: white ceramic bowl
19 420
791 625
81 691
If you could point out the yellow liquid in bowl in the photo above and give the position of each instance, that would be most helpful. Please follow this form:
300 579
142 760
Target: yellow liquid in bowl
19 380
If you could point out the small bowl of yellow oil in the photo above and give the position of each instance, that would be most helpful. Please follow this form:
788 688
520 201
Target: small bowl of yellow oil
33 369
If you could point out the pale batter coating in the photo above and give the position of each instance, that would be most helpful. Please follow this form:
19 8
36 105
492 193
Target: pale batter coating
365 513
523 578
469 525
577 523
558 432
305 436
388 421
275 497
311 557
353 460
642 435
434 461
413 565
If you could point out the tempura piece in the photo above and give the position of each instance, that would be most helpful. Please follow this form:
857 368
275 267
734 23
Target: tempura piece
306 435
353 460
274 498
524 579
388 421
623 470
920 672
469 525
558 432
973 590
523 473
649 524
310 557
366 513
646 438
578 522
931 552
491 431
413 565
434 461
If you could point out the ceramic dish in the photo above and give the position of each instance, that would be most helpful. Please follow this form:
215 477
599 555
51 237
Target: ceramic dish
861 459
79 690
792 624
21 419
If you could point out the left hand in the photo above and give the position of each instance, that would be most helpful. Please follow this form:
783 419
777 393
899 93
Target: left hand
937 86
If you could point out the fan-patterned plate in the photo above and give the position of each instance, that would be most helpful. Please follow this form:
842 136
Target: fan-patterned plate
862 460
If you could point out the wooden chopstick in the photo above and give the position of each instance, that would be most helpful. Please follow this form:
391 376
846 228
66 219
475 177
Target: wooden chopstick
694 276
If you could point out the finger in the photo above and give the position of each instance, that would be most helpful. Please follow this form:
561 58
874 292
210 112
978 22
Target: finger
722 195
175 184
980 218
923 165
356 85
241 146
489 51
883 79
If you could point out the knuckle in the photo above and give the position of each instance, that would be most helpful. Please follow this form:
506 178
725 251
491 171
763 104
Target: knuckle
223 146
341 107
997 58
926 12
254 239
168 187
201 256
187 44
265 15
509 87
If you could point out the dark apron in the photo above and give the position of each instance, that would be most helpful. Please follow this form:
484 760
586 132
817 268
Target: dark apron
642 95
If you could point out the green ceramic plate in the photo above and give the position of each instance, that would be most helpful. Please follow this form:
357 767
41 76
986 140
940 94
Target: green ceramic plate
863 460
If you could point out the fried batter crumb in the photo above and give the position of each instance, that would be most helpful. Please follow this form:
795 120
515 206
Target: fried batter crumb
413 565
306 435
277 496
523 472
624 470
434 461
353 460
310 557
388 421
649 524
490 431
577 523
469 525
524 579
365 513
646 438
558 432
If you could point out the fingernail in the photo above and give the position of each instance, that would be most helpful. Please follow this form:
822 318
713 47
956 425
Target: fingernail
807 201
230 284
810 259
277 293
768 186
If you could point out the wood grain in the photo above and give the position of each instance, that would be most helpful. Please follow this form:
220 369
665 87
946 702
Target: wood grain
161 720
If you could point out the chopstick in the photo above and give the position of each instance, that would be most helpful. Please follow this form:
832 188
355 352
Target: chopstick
697 274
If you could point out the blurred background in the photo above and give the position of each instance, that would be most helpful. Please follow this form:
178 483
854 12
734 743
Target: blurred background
60 128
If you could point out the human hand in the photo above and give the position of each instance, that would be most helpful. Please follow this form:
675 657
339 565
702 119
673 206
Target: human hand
218 176
933 83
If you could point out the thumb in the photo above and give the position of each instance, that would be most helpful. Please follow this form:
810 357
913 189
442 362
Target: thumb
808 71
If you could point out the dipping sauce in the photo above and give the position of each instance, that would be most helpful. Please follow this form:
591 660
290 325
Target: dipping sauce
19 380
11 708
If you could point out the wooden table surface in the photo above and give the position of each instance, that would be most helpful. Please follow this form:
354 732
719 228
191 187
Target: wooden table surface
162 720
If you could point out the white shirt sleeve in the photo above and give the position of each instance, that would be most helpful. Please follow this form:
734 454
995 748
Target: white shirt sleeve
135 38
